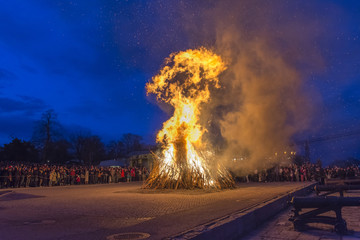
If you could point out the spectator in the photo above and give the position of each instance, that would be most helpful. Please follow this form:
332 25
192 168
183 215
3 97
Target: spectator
35 175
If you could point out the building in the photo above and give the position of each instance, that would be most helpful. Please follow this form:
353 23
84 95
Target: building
141 159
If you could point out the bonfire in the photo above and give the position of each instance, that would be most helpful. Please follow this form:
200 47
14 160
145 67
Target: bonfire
186 160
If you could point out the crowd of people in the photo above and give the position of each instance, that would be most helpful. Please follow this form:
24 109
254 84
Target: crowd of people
304 172
43 175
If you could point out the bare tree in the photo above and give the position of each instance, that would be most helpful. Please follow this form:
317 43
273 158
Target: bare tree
89 149
78 141
116 149
47 130
132 142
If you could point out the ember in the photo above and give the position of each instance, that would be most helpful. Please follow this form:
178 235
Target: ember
184 161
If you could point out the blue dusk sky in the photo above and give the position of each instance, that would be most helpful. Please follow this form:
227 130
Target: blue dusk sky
90 61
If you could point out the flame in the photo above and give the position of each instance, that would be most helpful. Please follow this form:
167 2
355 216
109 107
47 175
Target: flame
184 83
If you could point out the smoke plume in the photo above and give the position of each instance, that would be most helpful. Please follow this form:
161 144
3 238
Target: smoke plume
262 102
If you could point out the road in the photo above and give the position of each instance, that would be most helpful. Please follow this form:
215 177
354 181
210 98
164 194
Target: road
98 211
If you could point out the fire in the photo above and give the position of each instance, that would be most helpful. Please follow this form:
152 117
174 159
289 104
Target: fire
185 84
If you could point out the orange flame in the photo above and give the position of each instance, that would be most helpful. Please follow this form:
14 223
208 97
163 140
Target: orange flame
185 83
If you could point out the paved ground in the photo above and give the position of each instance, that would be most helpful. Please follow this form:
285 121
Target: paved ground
280 228
97 211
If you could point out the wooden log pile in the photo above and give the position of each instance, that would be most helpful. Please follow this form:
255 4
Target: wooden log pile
184 177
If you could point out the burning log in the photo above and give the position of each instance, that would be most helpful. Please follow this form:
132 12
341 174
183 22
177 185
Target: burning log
185 84
163 179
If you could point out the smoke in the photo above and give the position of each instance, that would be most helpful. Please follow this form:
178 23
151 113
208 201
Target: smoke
262 102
